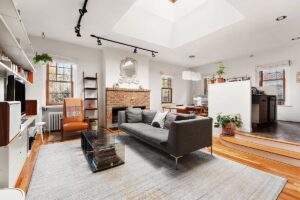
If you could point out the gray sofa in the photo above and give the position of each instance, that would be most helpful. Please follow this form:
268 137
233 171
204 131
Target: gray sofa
183 134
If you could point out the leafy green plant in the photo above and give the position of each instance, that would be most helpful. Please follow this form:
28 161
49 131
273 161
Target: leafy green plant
213 76
224 120
45 58
221 70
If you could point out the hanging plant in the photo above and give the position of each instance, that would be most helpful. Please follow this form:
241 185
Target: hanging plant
42 58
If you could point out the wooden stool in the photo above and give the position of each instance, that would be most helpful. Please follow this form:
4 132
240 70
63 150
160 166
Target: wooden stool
40 127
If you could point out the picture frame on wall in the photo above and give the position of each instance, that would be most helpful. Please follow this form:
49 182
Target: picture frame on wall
298 77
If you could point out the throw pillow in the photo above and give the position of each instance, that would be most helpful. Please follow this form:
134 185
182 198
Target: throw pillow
134 115
156 124
148 116
160 118
169 119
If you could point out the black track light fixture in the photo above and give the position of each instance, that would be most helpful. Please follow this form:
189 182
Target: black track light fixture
99 42
135 50
81 13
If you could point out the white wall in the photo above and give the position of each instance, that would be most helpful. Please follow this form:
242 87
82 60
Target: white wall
88 60
112 60
181 88
231 99
246 66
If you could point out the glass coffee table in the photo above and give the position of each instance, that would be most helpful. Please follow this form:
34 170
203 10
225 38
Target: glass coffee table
102 150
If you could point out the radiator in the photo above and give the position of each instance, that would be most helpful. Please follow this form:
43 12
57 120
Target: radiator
54 121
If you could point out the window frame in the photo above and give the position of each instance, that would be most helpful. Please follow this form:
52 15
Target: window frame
170 89
49 81
283 79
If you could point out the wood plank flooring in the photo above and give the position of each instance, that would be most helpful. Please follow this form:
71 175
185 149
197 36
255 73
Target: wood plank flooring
290 192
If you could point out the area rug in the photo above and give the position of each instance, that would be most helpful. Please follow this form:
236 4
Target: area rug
62 173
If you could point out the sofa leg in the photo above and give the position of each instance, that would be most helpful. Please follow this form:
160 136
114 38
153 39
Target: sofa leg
211 149
176 160
62 135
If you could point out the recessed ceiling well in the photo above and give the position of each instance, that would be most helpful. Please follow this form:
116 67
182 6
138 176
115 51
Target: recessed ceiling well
175 24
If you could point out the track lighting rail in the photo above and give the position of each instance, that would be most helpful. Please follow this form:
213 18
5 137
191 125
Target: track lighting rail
81 12
124 44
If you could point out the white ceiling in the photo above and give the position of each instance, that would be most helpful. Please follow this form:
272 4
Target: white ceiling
175 24
258 31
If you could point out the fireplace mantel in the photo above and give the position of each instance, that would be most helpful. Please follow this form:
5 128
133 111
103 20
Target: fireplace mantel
124 97
127 90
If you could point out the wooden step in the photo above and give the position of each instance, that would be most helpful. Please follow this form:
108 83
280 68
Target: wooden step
266 138
282 152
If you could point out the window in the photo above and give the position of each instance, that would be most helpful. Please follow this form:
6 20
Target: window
166 90
59 83
276 77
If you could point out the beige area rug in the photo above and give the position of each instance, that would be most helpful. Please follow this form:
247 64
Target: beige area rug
62 173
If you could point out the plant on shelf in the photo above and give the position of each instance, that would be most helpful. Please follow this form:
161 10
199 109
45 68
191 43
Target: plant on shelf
212 79
220 72
42 58
228 123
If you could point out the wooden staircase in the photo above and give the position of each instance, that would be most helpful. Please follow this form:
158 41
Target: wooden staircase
286 152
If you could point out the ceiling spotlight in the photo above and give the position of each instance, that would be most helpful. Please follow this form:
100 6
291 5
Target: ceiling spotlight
135 50
99 42
78 34
296 38
251 56
192 56
281 18
153 55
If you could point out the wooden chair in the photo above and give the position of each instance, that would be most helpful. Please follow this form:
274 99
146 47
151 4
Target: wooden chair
73 116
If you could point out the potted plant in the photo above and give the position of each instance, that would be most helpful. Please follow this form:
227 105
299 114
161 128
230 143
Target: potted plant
220 72
212 79
228 123
94 125
42 58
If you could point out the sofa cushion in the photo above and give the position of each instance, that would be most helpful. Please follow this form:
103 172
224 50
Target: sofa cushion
169 119
148 116
134 115
147 132
160 117
185 117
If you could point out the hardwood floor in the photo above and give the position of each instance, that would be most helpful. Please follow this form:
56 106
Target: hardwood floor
282 130
291 190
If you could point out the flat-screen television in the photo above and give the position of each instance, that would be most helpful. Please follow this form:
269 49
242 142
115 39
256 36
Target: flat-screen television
20 94
16 92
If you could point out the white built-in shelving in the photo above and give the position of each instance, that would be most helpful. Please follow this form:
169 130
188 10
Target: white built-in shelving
14 40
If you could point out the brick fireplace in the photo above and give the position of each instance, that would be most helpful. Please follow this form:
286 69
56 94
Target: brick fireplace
123 98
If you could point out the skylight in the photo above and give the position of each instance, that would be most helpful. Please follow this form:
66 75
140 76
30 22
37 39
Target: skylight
175 24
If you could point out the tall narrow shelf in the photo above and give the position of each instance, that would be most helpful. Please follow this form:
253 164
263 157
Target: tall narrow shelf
87 99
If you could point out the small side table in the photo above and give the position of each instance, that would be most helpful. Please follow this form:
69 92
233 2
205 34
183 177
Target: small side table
12 194
40 127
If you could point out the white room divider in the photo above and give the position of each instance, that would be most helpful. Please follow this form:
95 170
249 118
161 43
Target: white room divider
231 98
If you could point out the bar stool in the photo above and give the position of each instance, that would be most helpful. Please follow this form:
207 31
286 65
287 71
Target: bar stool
40 128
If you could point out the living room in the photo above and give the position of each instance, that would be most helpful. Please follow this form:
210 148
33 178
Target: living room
91 95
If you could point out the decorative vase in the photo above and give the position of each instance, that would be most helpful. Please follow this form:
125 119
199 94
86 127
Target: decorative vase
212 81
228 130
220 80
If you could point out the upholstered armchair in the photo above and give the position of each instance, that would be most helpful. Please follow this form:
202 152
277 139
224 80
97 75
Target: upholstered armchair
73 116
